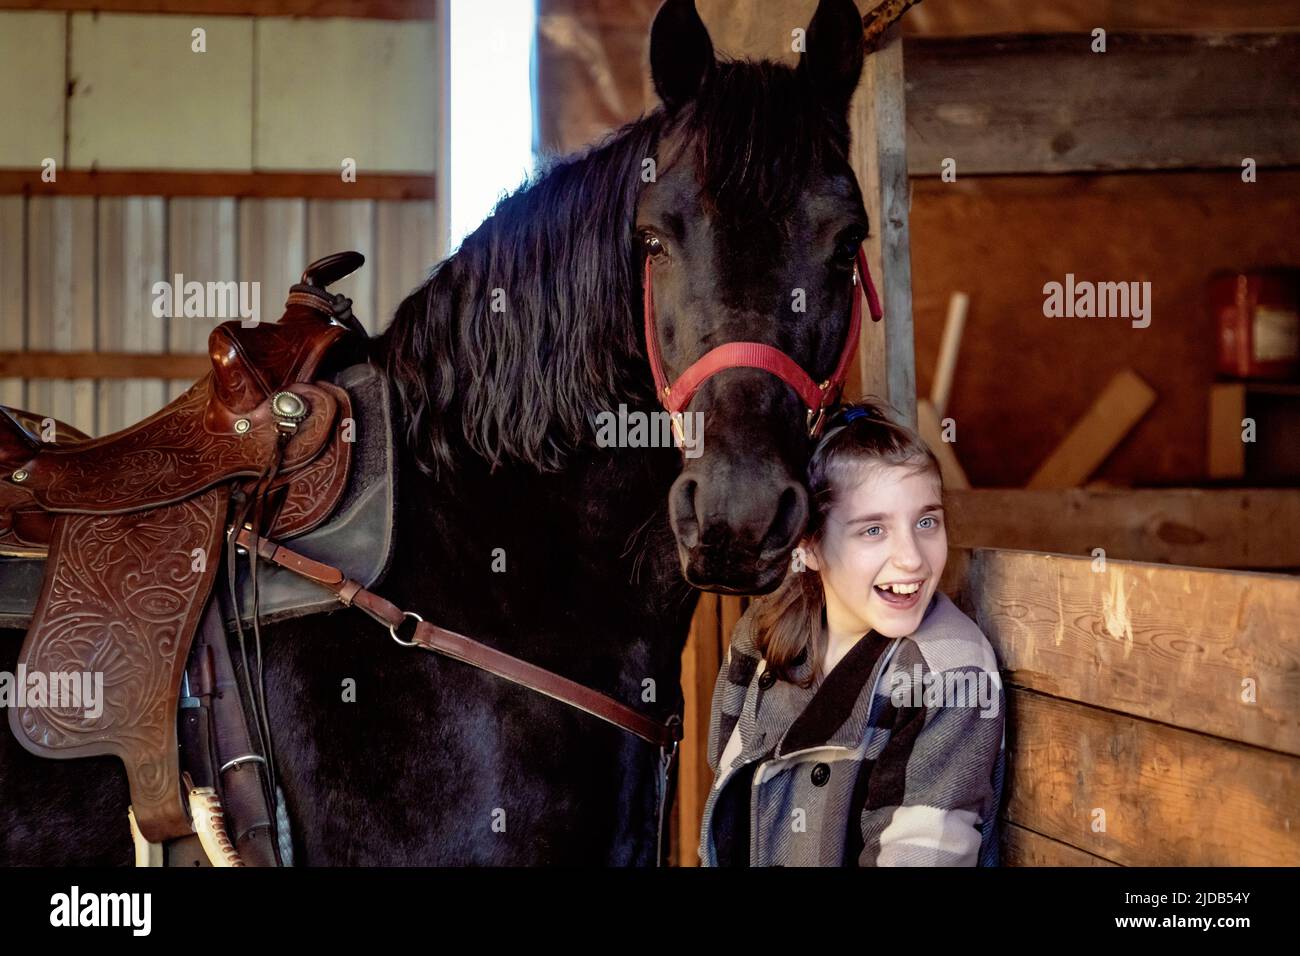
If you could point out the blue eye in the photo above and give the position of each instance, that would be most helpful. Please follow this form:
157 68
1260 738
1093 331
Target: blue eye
934 523
874 527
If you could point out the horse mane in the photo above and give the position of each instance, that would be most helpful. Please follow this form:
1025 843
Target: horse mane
558 262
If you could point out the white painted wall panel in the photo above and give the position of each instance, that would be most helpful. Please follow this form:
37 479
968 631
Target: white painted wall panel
32 61
143 100
372 96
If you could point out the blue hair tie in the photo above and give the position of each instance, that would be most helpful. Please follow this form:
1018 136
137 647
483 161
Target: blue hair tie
853 414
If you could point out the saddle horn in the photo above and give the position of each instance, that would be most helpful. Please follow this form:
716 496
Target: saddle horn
325 272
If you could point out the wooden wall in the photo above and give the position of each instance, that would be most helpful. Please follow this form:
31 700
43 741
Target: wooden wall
1153 712
128 91
219 165
1022 379
92 261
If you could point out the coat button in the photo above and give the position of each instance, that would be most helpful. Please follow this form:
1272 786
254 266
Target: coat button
767 680
820 774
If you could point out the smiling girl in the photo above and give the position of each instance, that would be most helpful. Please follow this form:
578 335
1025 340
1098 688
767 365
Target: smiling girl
858 719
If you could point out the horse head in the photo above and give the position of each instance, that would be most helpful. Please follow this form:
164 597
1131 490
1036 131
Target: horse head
750 227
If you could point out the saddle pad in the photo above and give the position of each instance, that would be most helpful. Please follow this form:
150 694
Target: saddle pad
358 538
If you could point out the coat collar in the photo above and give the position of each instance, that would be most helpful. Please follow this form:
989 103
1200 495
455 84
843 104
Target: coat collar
834 701
833 713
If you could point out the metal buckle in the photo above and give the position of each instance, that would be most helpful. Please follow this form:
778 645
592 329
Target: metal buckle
393 630
815 426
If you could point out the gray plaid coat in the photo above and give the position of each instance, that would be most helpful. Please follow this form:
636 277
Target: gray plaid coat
895 759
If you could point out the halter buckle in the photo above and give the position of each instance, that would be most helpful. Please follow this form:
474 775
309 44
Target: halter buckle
815 426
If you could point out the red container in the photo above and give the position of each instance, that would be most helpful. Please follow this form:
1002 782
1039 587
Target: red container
1258 316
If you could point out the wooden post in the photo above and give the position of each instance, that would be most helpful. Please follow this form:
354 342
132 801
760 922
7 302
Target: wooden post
878 122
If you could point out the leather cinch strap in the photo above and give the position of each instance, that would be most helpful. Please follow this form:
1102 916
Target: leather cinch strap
433 638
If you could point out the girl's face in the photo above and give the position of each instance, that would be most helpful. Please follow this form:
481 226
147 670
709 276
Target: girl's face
888 530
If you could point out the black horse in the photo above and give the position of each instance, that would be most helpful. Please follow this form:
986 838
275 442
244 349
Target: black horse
740 187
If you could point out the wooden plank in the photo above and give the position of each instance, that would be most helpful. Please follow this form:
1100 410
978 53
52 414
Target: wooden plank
1227 452
103 365
1022 847
1081 16
141 99
61 301
377 79
335 226
201 247
13 240
701 660
272 248
1207 528
361 9
1212 651
946 367
931 431
32 83
1117 409
215 183
406 249
877 119
1047 104
131 258
1170 797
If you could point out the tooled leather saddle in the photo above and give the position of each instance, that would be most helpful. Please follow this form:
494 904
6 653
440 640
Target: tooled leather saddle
132 531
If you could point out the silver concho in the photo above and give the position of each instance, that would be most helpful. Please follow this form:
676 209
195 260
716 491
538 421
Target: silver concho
288 407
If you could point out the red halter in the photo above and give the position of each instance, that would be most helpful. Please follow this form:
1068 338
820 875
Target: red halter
818 398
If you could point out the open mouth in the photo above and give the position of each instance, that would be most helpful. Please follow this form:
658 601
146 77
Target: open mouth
900 595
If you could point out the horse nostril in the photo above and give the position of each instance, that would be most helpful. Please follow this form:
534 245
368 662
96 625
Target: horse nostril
681 513
791 515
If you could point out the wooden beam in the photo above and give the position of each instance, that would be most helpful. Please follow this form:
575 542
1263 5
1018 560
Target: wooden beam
359 9
701 659
1208 528
1022 847
253 185
877 117
1227 452
111 365
1117 409
930 428
1048 104
1170 797
1212 651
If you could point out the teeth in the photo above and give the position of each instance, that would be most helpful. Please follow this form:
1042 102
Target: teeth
900 588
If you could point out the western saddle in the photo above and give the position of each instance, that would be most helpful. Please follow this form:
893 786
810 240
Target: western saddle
110 548
132 527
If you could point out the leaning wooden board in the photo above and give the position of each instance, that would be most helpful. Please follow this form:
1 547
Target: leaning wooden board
1117 409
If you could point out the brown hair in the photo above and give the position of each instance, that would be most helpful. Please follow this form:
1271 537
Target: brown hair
858 438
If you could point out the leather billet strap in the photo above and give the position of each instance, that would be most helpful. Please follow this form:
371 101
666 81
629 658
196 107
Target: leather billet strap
677 395
433 638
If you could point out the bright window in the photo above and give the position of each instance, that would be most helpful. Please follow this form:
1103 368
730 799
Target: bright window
491 136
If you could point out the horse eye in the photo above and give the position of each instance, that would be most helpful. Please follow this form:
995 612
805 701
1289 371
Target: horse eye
846 249
653 245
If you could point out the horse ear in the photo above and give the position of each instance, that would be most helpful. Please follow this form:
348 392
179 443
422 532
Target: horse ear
681 53
834 53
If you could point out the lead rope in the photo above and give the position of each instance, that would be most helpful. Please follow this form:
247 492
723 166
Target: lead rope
666 757
255 682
